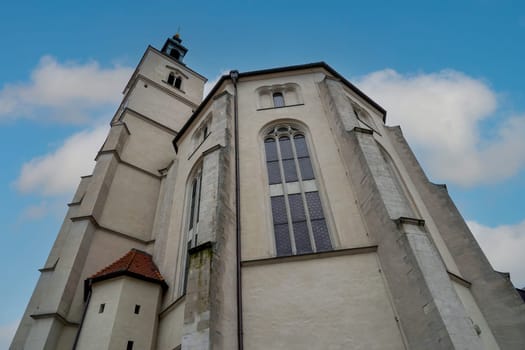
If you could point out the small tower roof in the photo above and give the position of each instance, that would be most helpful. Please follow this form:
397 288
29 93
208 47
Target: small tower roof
134 263
173 48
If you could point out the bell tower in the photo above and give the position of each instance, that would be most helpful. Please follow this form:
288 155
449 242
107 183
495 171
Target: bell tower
174 48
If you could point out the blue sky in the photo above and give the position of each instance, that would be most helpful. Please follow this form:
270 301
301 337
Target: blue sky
450 73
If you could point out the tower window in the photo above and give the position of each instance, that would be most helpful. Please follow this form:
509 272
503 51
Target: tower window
175 53
299 223
174 80
278 99
171 78
101 308
178 82
137 309
130 345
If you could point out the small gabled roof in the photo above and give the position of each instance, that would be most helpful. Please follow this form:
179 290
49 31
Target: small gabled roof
134 263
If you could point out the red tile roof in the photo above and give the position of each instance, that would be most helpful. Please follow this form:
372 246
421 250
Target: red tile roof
135 263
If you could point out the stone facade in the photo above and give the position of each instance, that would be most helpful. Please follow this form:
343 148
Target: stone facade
186 181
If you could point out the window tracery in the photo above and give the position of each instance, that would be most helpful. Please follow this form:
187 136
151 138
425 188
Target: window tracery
299 223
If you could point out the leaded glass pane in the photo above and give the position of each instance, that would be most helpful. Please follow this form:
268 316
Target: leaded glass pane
302 238
274 173
271 150
300 146
290 172
315 209
294 225
286 147
279 210
321 235
307 173
282 240
296 207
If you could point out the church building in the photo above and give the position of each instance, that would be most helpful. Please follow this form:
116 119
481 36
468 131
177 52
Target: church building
279 212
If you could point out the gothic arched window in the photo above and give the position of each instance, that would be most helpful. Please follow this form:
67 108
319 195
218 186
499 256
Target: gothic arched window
299 223
192 225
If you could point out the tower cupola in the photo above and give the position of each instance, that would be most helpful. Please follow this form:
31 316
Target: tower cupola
174 48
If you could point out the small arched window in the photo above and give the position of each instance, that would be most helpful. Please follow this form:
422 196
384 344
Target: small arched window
278 99
178 82
299 223
171 78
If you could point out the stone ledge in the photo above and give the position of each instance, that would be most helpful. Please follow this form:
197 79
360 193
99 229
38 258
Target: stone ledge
94 221
363 130
310 256
268 108
200 247
459 280
123 162
55 315
172 305
411 221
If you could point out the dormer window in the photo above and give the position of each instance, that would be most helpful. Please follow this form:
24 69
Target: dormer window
278 99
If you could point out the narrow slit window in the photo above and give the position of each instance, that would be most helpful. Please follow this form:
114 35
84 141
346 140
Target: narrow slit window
137 309
278 99
193 203
130 345
101 308
299 223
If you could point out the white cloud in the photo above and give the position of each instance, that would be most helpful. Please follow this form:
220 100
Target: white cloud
441 114
504 246
35 212
64 92
58 172
7 332
210 84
